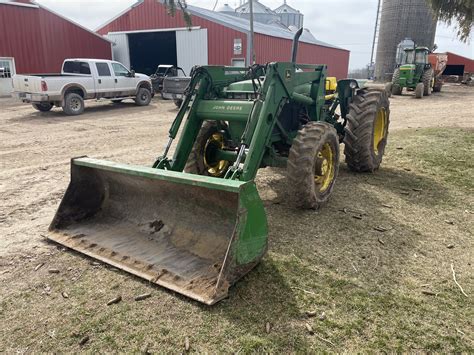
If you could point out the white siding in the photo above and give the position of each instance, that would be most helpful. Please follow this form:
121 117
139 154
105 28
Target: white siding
191 48
7 70
120 50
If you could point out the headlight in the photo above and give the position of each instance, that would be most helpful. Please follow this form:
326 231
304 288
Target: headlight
353 85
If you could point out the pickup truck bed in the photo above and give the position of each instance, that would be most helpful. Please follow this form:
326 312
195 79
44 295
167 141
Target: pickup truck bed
174 87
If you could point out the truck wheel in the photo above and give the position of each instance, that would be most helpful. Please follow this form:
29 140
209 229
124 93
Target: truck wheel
143 97
73 104
426 79
313 164
43 106
437 86
367 130
396 88
419 90
203 160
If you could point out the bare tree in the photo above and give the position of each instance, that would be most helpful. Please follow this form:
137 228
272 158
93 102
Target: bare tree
173 5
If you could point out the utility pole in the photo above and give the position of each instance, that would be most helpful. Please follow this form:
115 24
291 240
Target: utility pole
252 54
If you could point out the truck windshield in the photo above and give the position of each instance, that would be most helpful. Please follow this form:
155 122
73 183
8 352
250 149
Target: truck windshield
75 67
421 57
161 70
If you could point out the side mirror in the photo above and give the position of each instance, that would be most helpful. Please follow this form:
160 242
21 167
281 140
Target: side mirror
132 73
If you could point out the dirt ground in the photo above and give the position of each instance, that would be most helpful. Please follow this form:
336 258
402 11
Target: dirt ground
388 290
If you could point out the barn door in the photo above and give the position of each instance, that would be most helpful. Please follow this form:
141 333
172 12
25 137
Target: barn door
120 50
191 48
7 70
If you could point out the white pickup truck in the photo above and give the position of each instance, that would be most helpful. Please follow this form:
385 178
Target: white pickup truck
82 79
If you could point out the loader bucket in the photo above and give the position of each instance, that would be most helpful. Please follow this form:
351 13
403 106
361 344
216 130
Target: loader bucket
192 234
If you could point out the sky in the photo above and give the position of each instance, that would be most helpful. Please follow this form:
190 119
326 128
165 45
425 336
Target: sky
346 23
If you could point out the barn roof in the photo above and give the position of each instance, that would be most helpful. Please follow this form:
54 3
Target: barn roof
237 23
243 25
35 5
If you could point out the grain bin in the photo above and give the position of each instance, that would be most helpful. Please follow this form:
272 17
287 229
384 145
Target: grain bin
402 19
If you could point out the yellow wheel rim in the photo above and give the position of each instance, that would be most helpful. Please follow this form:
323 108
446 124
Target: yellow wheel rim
215 167
380 128
324 174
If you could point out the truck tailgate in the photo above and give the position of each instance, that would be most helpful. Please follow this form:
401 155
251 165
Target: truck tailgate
27 83
174 85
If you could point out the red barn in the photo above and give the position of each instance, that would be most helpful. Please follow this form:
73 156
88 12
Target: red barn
458 65
145 35
34 39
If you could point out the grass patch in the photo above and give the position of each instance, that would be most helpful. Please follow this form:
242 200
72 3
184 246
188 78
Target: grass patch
371 286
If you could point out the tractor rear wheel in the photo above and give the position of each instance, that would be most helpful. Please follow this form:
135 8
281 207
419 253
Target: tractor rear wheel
313 164
396 88
427 79
367 130
202 159
419 90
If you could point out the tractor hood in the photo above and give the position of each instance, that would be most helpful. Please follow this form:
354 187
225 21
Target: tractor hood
407 67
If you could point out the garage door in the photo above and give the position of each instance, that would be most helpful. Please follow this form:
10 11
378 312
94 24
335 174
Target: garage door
191 48
7 70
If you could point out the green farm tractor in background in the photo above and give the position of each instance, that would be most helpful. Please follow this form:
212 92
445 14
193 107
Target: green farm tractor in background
414 72
195 223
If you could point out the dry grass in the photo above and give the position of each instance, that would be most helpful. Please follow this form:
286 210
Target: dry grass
371 285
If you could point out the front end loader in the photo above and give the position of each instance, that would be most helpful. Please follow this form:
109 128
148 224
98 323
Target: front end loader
194 222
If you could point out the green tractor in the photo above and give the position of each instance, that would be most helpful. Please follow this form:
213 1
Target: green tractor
195 223
414 72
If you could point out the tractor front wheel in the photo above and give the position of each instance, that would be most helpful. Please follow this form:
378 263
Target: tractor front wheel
313 164
367 130
204 159
396 88
419 90
427 79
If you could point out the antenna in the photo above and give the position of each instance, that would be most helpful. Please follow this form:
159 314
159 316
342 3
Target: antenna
252 54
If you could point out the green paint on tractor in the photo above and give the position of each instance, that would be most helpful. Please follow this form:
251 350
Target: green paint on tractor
194 222
414 72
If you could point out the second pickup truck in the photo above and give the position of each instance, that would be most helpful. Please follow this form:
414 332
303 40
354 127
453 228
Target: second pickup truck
82 79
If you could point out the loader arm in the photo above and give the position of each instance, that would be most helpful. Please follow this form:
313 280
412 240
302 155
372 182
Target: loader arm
205 101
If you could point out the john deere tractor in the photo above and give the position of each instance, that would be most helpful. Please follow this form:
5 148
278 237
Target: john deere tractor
414 72
195 223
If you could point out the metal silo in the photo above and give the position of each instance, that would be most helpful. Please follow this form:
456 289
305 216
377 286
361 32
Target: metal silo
402 19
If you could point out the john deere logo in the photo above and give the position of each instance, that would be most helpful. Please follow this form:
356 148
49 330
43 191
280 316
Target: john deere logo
227 108
288 74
